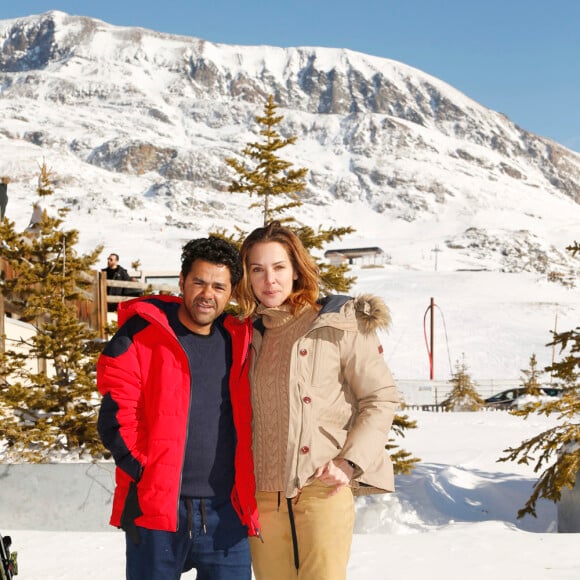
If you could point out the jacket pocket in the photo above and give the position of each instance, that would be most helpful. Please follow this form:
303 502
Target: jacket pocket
325 367
336 439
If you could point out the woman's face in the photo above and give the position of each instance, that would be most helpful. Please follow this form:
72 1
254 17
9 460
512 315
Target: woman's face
271 273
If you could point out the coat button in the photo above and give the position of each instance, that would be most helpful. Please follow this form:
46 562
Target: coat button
303 352
307 400
304 450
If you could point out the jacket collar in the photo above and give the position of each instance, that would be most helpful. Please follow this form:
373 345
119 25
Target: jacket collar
149 307
153 308
366 313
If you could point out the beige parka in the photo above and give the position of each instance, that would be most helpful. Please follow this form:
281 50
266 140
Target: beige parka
342 395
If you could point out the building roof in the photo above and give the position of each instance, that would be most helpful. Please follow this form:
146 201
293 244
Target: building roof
354 252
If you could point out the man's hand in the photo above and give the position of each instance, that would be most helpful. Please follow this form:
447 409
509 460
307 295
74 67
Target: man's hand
336 472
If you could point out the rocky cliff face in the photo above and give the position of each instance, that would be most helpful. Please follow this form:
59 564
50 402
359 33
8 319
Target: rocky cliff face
169 109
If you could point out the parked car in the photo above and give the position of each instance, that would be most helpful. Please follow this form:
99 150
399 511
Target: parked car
516 396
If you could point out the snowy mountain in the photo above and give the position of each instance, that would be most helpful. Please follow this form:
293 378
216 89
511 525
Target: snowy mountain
136 122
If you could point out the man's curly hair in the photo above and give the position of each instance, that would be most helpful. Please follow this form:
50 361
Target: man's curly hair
215 250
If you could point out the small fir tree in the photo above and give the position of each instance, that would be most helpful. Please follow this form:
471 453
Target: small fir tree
463 395
49 407
574 248
531 379
44 188
403 461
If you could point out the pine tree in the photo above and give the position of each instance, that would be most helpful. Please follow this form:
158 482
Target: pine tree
531 380
574 248
272 177
558 447
45 187
554 452
463 395
403 461
50 407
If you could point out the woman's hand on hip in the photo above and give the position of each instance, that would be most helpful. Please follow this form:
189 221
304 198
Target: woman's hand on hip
336 472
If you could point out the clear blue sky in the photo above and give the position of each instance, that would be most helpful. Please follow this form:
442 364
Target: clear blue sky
519 57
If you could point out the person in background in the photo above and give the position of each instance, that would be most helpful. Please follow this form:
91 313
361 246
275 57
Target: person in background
115 272
176 417
323 400
4 181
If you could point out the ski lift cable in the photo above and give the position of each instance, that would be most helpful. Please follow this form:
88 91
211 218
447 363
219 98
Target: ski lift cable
429 353
446 339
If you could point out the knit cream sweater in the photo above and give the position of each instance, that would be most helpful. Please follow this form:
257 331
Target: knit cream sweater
270 399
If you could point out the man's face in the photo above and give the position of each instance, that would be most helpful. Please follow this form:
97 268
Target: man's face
206 291
112 261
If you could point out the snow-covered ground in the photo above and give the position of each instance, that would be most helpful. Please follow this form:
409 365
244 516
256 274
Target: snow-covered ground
453 518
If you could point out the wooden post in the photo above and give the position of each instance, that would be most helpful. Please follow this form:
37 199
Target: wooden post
2 318
2 312
102 303
2 329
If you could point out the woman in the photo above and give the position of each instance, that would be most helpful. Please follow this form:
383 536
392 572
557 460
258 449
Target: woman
323 400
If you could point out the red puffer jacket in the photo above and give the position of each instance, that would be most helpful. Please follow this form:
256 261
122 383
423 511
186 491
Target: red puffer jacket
143 375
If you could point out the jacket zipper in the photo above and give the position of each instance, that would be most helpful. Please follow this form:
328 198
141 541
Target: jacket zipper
185 440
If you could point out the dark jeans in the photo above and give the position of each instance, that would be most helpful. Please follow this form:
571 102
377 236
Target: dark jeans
221 552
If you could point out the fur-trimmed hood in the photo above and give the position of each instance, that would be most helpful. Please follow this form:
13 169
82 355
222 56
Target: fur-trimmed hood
366 313
372 313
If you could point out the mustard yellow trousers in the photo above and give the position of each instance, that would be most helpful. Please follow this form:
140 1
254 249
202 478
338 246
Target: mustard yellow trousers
323 525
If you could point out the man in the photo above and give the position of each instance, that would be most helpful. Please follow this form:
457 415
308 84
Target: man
115 272
176 416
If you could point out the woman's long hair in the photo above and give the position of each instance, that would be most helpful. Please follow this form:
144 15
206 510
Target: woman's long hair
306 287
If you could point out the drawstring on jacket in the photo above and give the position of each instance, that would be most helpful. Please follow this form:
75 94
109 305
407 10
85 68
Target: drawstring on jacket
203 516
189 516
189 506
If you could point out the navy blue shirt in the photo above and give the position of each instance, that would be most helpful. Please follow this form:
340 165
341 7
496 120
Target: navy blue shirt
208 468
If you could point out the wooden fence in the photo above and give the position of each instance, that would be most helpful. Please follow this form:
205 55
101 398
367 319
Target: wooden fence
93 308
134 288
